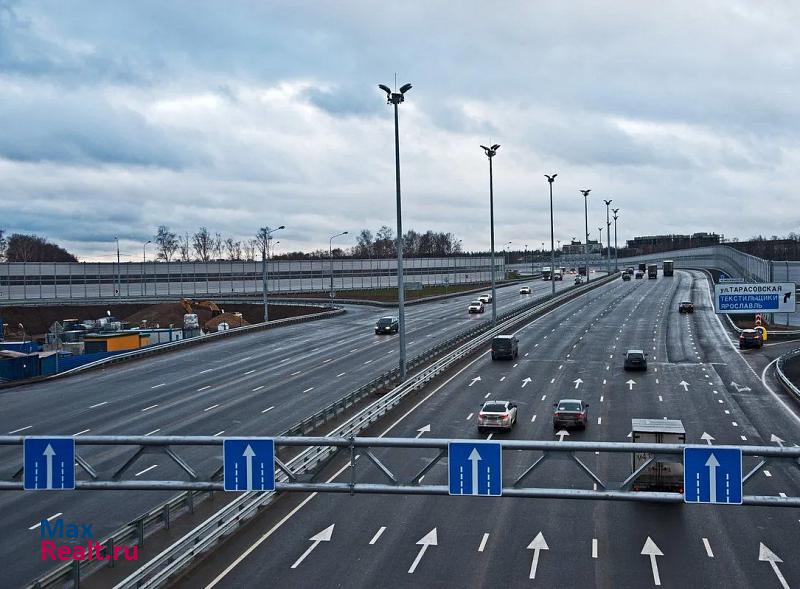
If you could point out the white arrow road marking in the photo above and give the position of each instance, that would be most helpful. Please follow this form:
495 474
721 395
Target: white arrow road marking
738 388
776 439
474 380
423 429
707 437
474 458
712 463
323 536
766 555
248 457
527 381
577 382
650 549
561 435
684 384
536 545
630 384
428 539
48 454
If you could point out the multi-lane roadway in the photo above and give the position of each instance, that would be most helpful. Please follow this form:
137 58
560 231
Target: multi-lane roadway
695 374
254 384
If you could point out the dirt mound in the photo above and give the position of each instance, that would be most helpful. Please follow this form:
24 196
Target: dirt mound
229 318
162 315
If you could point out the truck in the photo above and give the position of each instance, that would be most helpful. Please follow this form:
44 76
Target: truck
546 272
582 270
669 267
652 271
558 274
663 474
642 267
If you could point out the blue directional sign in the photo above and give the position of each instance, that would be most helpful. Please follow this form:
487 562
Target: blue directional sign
752 298
712 475
48 463
249 464
475 468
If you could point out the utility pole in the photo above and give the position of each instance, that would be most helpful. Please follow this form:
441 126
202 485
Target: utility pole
608 237
586 220
550 180
616 252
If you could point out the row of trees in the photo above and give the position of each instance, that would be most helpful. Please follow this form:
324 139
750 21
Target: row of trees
19 247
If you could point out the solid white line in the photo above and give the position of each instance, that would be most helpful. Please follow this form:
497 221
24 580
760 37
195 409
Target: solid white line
295 373
483 542
469 416
368 361
533 418
268 409
594 546
158 385
210 408
22 429
708 548
340 375
206 370
51 518
152 432
205 388
145 470
377 535
81 432
326 361
98 405
309 389
258 388
218 434
249 372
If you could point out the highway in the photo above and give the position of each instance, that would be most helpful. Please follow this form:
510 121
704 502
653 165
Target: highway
440 541
254 384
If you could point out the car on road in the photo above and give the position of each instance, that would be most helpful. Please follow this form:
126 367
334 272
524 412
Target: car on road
476 307
485 297
500 415
570 413
626 276
387 325
635 360
505 346
578 280
629 270
525 290
639 275
750 338
686 307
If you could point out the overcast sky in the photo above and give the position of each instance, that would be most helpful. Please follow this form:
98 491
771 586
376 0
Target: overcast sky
116 117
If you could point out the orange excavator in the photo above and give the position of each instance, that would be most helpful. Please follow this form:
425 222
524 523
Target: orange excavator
189 305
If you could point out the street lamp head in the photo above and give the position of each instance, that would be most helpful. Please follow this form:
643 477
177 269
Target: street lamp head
394 97
491 151
608 202
385 89
615 211
281 227
405 88
551 179
616 216
585 192
345 233
496 146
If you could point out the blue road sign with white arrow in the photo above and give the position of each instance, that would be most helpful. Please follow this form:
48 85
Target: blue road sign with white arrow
48 463
249 464
475 468
712 475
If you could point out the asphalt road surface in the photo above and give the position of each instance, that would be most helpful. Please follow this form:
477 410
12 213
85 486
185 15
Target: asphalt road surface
255 384
388 541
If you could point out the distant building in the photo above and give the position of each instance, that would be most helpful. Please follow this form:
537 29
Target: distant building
651 244
576 247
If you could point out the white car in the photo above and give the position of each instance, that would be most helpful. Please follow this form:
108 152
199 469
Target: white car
485 297
525 290
476 307
497 415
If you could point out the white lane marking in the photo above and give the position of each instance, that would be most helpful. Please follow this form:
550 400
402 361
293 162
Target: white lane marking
218 434
158 385
601 398
340 375
353 350
81 432
734 424
368 361
377 535
660 399
326 361
149 468
206 370
258 388
486 396
210 408
656 381
599 420
502 378
249 372
727 412
270 408
526 354
98 405
153 432
767 473
533 418
309 389
515 365
483 542
204 388
782 494
552 380
708 548
594 546
544 397
560 366
763 378
22 429
296 373
744 438
51 518
469 416
604 381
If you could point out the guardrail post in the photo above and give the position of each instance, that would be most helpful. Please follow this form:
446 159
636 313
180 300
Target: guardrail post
110 552
352 464
165 516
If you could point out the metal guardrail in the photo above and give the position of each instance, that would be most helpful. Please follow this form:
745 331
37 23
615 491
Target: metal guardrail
787 383
243 507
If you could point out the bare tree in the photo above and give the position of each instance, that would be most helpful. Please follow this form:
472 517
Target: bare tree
250 249
233 249
203 244
3 245
167 243
217 245
185 248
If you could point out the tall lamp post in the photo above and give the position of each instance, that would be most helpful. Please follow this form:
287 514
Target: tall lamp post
526 259
585 194
144 266
330 255
608 237
490 153
264 236
505 257
119 270
600 229
616 253
550 180
395 98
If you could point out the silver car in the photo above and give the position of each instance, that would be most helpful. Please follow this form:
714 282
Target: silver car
497 415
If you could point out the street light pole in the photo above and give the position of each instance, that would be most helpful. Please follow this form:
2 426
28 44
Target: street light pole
608 236
600 229
616 253
550 180
490 153
330 255
119 270
264 236
395 98
585 194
